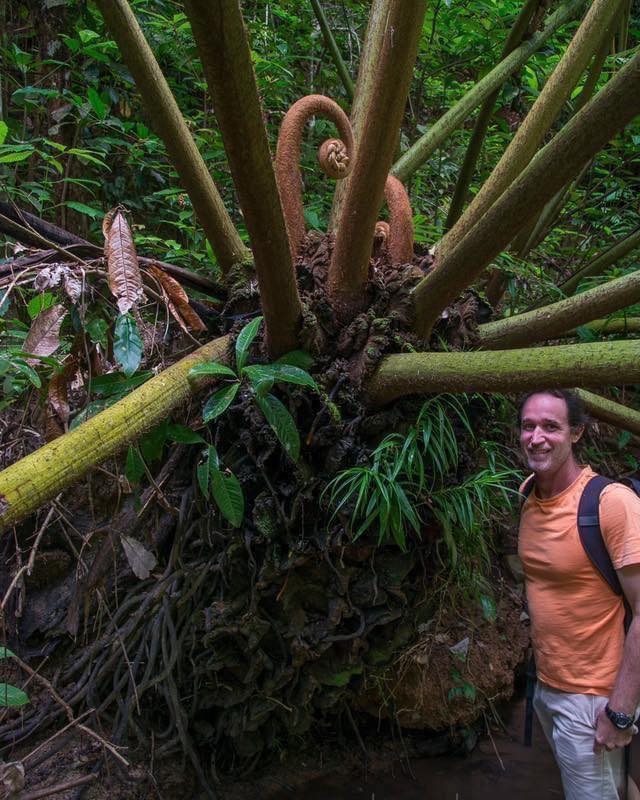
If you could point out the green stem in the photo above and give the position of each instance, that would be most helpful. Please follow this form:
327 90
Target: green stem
539 120
602 262
611 412
330 41
440 131
222 42
615 105
516 35
168 123
597 364
551 321
43 474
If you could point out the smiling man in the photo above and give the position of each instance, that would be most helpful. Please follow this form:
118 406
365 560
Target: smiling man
588 685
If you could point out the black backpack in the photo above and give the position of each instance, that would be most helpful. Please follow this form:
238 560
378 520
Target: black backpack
596 550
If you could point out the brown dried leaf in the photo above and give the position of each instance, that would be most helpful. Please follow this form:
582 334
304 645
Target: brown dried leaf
43 338
57 397
125 280
178 301
140 559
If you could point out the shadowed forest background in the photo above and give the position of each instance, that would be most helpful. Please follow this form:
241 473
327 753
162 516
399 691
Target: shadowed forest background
259 475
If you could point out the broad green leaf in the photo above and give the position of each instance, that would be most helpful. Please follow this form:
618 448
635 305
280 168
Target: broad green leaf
5 652
245 340
116 385
127 344
4 129
219 402
39 303
283 424
29 372
183 435
96 103
134 466
152 443
97 329
81 208
13 157
12 696
227 492
212 368
297 358
262 377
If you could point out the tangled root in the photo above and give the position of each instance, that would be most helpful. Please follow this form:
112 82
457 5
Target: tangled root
336 158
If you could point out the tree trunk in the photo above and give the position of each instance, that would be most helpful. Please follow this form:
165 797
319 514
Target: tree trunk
363 97
611 412
349 268
586 133
539 120
440 131
550 321
597 364
602 262
43 474
329 38
222 42
608 327
516 35
168 123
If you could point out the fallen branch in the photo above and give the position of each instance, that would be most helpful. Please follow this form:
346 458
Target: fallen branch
611 412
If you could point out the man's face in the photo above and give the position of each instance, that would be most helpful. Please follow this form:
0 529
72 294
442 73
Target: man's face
546 437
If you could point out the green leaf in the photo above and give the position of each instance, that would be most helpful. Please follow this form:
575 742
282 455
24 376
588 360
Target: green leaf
212 368
219 402
39 303
134 466
261 375
183 435
244 341
12 696
282 423
4 129
227 492
96 103
202 473
97 329
13 157
81 208
488 608
116 385
29 372
297 358
152 443
5 652
127 344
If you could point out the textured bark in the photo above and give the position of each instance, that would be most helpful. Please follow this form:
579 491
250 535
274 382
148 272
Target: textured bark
349 267
168 123
539 120
40 476
400 235
550 321
586 133
427 144
287 162
363 96
222 42
602 262
341 67
611 412
598 364
516 35
609 326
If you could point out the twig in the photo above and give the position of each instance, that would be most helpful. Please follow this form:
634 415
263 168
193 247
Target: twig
57 733
495 749
47 791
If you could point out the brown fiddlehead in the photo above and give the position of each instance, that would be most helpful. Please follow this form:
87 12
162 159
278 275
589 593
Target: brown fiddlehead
397 234
335 155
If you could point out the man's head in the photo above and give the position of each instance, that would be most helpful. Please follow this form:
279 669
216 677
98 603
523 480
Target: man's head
551 422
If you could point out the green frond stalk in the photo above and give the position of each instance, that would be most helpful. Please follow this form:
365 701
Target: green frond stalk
440 131
336 55
168 123
553 320
43 474
597 364
602 262
539 120
615 105
221 38
611 412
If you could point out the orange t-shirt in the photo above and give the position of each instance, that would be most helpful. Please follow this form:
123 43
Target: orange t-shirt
576 619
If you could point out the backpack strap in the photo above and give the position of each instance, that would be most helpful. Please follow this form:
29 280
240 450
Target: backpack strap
529 486
591 535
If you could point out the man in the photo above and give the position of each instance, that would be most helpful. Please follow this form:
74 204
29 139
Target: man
588 672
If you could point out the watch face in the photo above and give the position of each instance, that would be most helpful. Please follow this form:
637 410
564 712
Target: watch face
619 719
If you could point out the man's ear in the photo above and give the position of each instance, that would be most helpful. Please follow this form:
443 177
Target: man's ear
576 434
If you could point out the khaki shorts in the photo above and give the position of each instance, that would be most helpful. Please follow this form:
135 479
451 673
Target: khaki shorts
569 723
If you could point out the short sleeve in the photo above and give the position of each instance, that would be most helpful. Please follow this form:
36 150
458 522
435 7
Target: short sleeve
620 524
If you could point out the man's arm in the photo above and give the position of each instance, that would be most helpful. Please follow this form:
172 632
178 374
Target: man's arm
625 695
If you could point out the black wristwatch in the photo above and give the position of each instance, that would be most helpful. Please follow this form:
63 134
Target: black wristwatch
618 719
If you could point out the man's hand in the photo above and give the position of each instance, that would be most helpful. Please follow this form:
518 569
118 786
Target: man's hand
608 737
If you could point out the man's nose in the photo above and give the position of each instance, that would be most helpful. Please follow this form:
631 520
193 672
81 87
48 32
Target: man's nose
536 436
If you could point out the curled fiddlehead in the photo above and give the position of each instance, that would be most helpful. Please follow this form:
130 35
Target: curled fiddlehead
335 156
397 235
